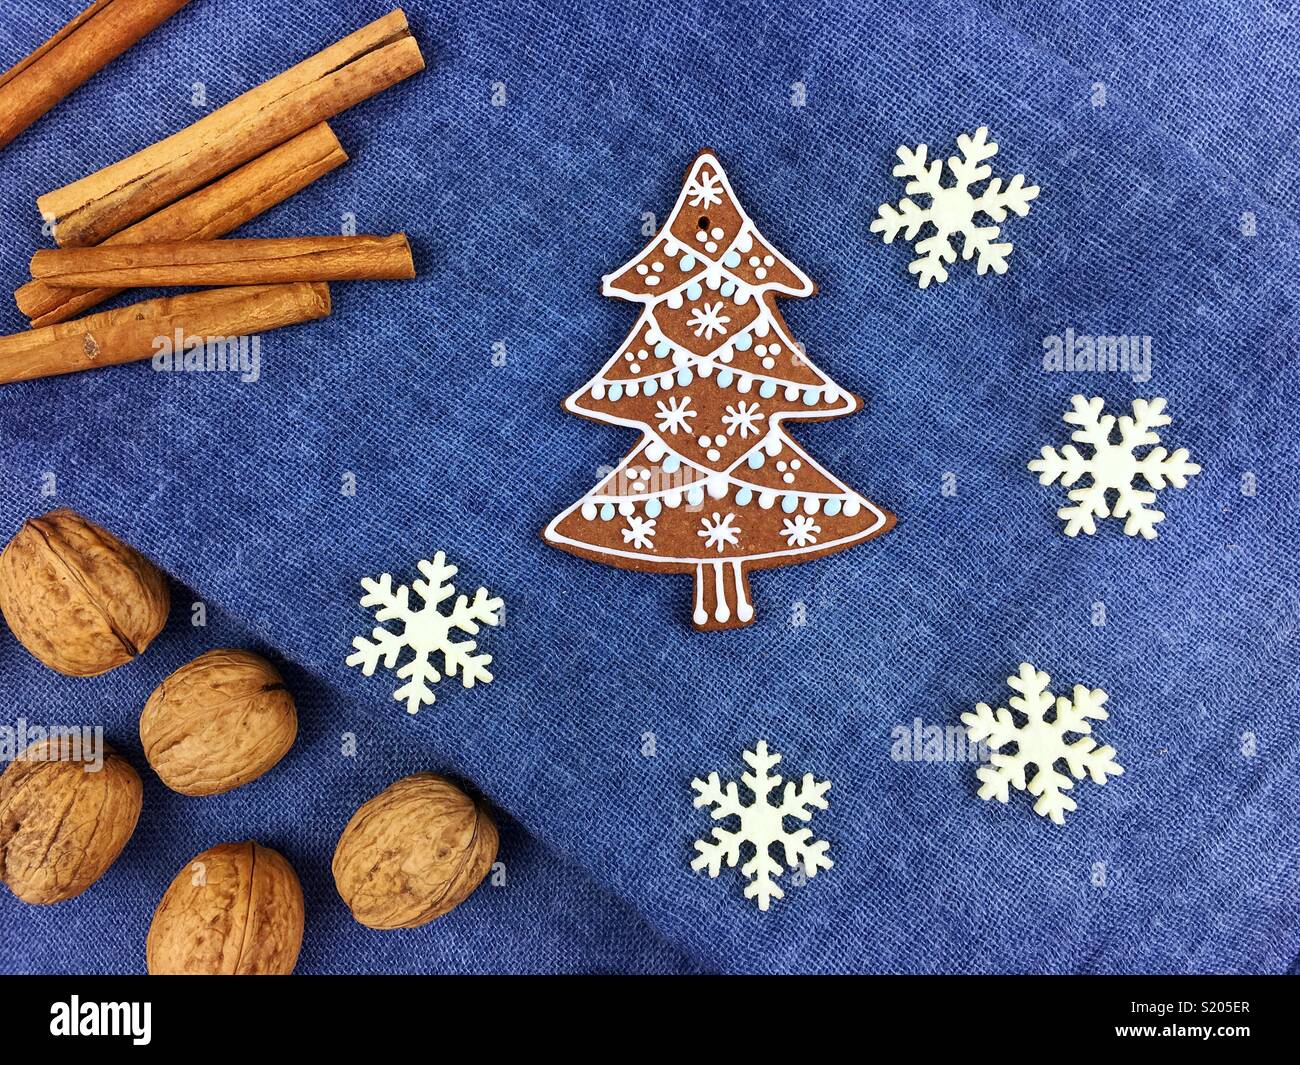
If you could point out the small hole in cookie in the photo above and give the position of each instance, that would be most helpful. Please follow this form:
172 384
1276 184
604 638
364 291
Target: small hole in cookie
703 222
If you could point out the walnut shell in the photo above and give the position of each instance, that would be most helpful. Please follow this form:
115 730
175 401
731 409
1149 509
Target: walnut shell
218 722
63 822
413 852
78 598
234 910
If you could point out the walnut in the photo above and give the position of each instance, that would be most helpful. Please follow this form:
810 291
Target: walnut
78 598
64 818
413 852
217 723
234 910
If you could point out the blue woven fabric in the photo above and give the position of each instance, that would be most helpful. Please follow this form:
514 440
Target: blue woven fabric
1166 211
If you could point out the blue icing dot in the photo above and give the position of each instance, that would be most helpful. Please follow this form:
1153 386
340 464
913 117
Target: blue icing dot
684 376
727 289
695 496
650 387
743 497
790 503
663 349
743 341
810 397
672 464
725 378
732 258
652 508
686 262
693 291
831 507
615 393
756 458
767 391
607 512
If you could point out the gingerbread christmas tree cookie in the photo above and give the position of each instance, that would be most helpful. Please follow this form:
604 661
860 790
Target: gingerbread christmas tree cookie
709 375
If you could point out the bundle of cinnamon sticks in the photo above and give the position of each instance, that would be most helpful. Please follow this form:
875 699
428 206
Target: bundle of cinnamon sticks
153 218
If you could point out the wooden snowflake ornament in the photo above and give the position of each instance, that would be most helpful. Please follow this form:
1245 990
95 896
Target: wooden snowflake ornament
426 631
709 375
953 209
761 826
1114 466
1040 743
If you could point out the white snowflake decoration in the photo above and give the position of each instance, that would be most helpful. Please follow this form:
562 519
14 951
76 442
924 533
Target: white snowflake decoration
1041 743
706 192
953 208
743 418
708 319
719 532
675 415
1113 467
640 532
800 531
426 631
762 826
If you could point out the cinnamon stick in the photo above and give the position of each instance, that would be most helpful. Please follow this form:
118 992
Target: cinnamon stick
354 69
211 212
83 47
142 330
229 262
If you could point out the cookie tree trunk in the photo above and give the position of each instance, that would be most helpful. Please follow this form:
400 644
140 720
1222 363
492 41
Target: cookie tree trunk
722 599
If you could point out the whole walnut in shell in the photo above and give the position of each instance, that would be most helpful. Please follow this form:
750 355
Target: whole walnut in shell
78 598
63 821
234 910
217 723
413 852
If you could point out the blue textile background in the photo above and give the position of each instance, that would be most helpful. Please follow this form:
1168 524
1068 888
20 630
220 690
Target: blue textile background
1167 210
